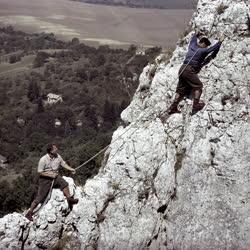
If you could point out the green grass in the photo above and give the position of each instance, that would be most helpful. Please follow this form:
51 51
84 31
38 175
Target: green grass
7 69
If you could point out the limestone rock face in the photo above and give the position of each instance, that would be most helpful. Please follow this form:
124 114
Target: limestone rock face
182 184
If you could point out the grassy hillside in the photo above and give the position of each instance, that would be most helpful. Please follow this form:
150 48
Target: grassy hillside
96 84
161 4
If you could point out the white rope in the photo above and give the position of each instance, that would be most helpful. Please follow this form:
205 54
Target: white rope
102 150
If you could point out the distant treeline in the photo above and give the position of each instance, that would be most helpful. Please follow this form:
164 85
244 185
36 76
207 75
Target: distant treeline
158 4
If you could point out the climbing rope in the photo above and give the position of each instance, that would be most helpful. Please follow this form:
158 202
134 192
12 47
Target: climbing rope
141 118
102 150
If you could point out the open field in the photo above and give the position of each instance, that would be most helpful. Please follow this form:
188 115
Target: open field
96 24
10 69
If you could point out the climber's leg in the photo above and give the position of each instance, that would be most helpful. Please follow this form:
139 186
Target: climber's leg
174 106
181 89
43 190
31 210
197 104
191 77
64 186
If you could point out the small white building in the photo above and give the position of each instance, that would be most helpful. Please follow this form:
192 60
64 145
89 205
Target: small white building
20 121
53 98
58 123
140 50
79 123
135 76
99 121
3 162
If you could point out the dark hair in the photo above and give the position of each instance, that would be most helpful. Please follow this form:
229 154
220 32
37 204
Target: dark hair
205 40
50 147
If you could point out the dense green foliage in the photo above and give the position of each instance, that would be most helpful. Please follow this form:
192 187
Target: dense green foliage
96 84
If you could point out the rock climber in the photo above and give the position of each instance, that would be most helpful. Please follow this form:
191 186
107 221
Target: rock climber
48 175
199 54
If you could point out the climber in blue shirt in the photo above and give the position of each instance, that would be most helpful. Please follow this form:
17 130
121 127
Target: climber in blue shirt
199 54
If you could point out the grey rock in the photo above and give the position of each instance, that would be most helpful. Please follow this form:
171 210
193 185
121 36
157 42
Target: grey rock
184 184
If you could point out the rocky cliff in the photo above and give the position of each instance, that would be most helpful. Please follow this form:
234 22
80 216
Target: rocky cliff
184 184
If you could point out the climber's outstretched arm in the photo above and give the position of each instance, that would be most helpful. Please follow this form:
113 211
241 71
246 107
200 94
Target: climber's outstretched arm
210 57
215 48
193 42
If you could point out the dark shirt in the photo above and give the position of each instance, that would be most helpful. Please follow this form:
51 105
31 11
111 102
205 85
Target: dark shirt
198 57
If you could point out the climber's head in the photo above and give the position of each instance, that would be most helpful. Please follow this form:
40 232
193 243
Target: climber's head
204 42
52 149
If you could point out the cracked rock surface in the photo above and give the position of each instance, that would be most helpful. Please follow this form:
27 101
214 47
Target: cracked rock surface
182 184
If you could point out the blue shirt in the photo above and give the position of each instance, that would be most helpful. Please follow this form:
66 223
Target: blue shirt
198 55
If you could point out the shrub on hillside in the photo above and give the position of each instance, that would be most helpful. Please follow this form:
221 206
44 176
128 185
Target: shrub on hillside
15 58
40 59
33 90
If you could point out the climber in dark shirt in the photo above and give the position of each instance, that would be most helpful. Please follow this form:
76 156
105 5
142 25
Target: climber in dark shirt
199 54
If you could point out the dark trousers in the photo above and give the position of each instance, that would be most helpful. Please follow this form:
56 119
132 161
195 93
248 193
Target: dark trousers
45 184
188 81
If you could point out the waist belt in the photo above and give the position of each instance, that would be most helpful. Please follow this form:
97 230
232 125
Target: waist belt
195 65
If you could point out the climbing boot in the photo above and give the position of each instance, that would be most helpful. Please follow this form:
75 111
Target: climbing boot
29 216
173 109
197 106
72 201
